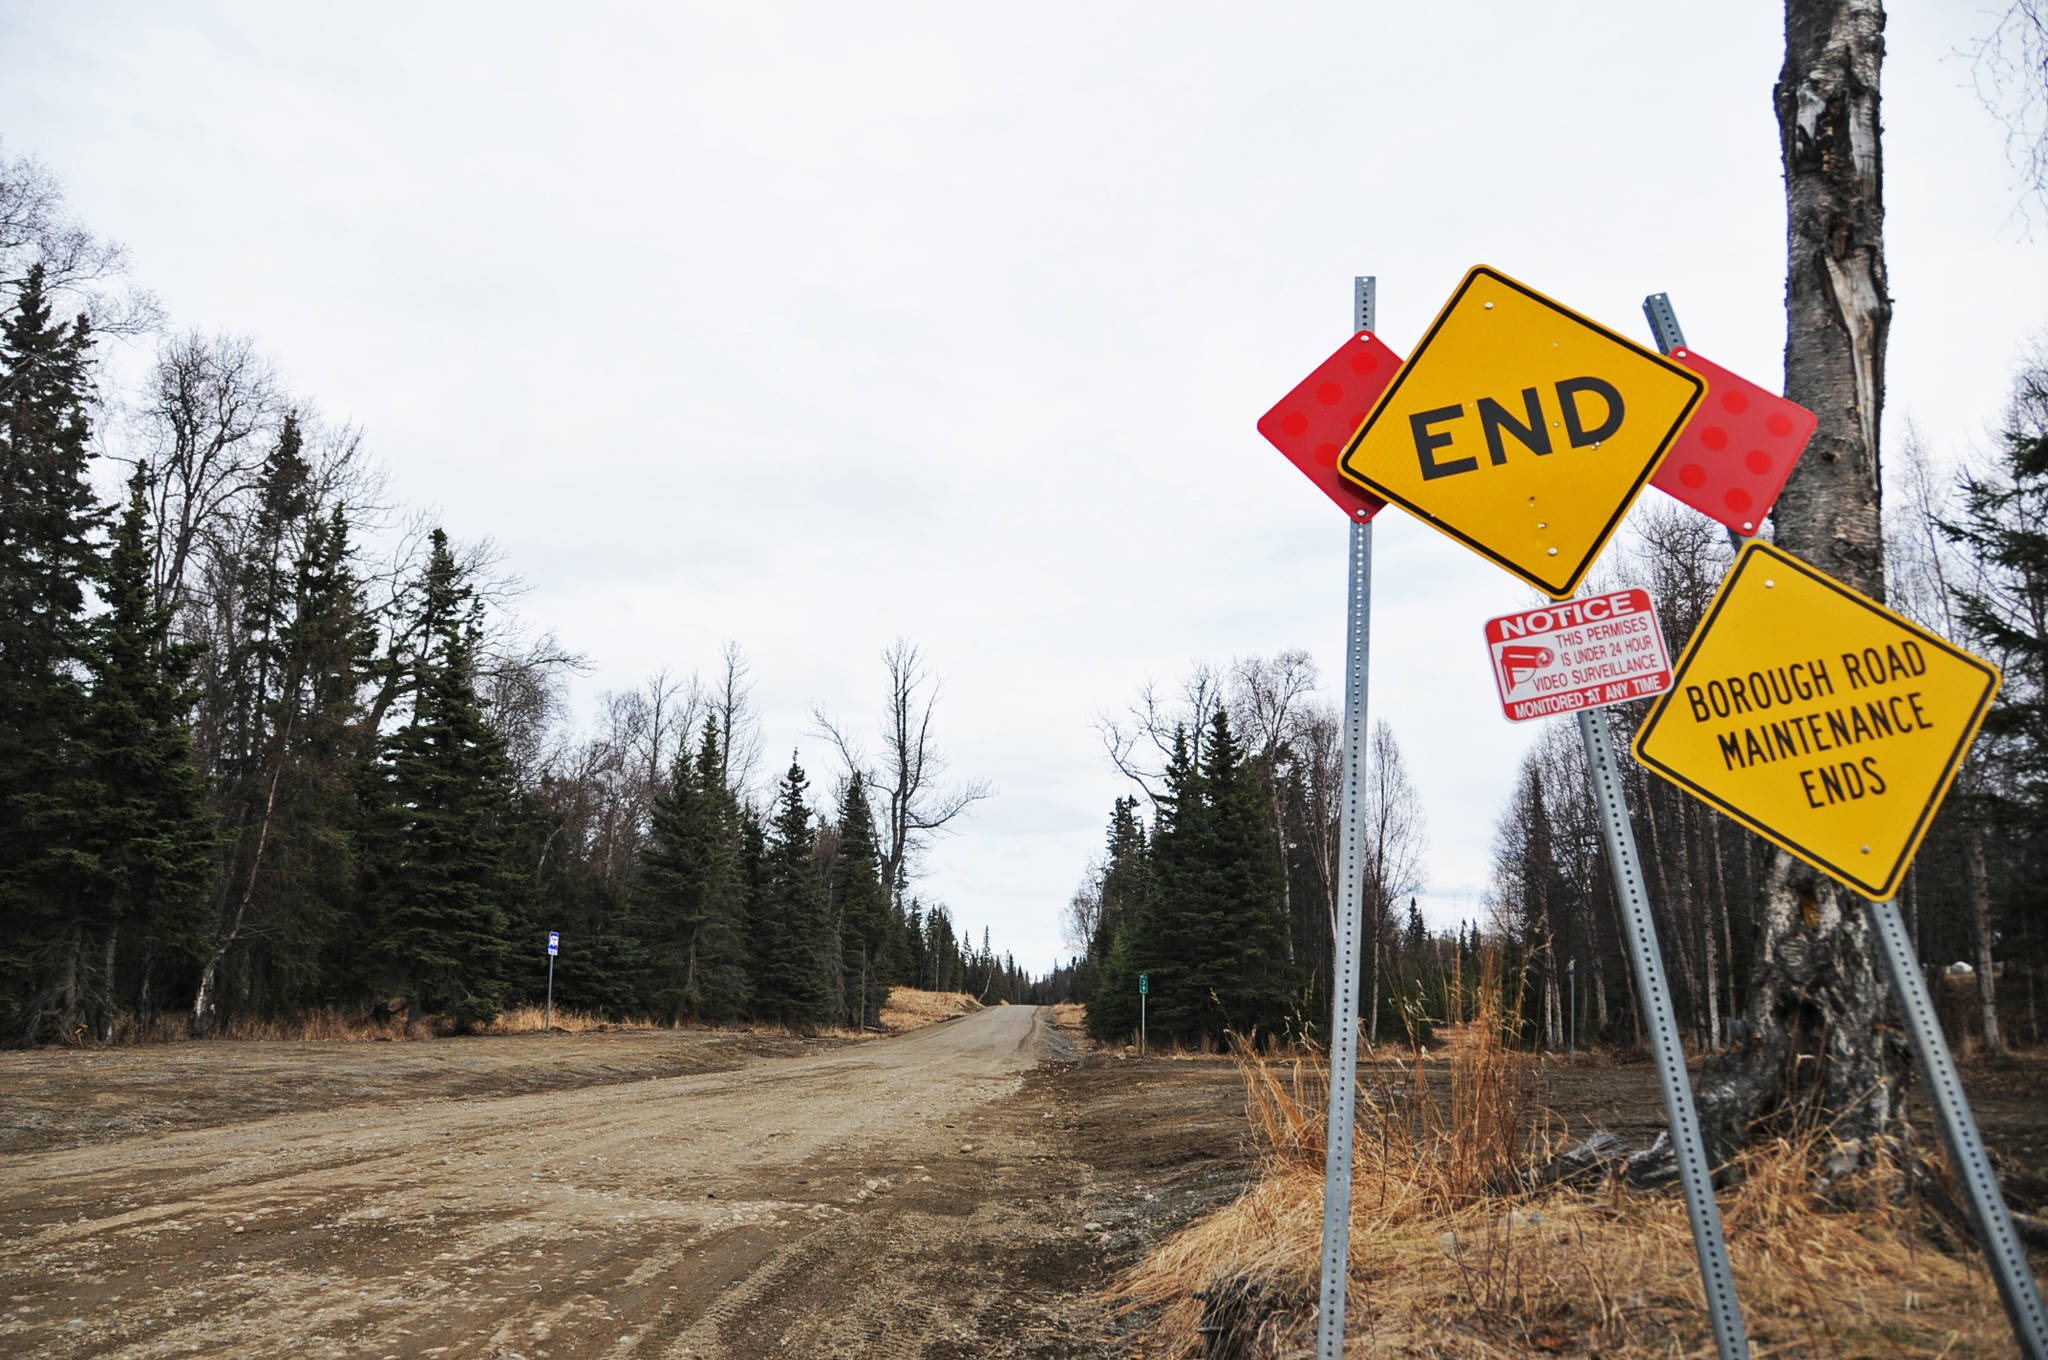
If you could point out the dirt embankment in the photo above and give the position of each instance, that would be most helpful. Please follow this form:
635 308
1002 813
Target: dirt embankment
959 1191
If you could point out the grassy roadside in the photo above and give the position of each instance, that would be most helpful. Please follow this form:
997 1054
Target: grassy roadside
1455 1251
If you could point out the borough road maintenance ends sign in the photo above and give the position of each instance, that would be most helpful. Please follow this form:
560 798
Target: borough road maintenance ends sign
1522 429
1818 718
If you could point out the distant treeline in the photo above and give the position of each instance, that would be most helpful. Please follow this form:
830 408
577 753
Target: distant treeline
246 770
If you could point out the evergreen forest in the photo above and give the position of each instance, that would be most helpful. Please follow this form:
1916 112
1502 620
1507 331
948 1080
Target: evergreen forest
269 746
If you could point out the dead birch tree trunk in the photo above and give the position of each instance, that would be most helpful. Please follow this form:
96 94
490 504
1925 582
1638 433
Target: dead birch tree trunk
1820 1045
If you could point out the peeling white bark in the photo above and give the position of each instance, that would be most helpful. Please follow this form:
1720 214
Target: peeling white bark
1820 1042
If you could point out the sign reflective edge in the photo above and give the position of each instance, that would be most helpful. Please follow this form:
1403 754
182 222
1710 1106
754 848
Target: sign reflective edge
1556 590
1876 891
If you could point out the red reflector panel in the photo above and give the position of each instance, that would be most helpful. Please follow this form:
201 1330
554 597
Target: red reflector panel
1732 458
1313 422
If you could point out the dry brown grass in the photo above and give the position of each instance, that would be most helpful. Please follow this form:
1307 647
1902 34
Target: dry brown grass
533 1020
332 1024
1451 1257
908 1008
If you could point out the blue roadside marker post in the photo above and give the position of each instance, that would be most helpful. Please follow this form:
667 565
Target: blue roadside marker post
554 948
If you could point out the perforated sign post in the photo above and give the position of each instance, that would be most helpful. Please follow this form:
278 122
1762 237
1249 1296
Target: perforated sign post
1310 425
1833 727
1578 654
1521 429
554 948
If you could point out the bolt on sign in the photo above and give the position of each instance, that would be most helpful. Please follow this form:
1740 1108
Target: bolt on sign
1818 718
1312 423
1607 649
1732 458
1522 429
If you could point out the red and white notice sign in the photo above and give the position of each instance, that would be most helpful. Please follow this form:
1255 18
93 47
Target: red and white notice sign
1578 654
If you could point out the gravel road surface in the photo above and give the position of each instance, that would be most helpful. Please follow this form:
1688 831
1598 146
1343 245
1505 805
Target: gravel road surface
903 1197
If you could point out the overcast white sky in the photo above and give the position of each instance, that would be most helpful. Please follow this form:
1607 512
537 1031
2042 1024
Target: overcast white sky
810 326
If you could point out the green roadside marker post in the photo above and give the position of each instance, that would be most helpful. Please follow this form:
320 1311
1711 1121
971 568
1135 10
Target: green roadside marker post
1144 986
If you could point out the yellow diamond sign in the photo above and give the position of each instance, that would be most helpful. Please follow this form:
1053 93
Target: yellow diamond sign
1818 718
1522 429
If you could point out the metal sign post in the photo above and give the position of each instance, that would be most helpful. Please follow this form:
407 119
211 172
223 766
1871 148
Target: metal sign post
1350 892
1661 1020
554 948
2008 1260
1144 986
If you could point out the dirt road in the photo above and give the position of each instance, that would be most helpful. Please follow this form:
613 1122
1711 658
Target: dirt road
908 1197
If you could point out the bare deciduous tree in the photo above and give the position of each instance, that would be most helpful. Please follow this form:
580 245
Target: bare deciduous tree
1140 743
1084 911
213 412
905 781
1396 847
730 700
2010 67
79 269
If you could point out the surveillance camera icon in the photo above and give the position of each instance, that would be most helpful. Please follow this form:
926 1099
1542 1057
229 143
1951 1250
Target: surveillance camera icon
1519 663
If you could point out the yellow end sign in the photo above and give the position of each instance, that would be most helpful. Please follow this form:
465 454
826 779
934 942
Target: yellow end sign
1818 718
1522 429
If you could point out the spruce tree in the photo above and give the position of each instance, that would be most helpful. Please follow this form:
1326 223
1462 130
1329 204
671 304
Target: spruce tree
1113 995
863 906
791 933
326 650
151 839
264 594
720 991
1213 935
1163 942
691 893
666 890
48 523
2003 528
442 880
1241 964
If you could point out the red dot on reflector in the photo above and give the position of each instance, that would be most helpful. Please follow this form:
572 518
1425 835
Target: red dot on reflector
1735 403
1364 361
1326 454
1294 422
1329 394
1714 437
1737 499
1693 475
1779 424
1757 461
